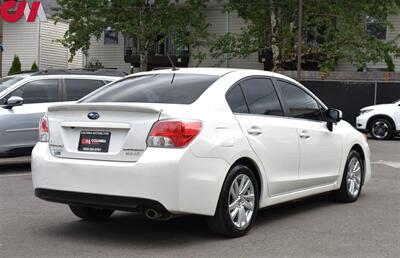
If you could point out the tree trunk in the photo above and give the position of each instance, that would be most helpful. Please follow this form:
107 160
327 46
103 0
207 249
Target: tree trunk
274 37
143 62
143 44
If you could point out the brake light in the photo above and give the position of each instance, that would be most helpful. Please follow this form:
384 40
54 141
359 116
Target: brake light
173 133
44 129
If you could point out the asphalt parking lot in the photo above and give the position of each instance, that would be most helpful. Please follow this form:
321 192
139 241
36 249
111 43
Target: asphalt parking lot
313 227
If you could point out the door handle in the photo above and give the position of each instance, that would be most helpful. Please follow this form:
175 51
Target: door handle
304 135
254 130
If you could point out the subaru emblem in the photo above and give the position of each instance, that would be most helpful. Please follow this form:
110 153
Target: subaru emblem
93 115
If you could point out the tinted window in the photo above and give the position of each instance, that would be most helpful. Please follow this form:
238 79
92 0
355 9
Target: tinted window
78 88
40 91
155 88
236 100
300 103
8 82
261 97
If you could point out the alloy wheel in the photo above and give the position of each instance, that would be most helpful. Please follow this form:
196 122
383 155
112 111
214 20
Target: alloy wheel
380 130
241 201
354 173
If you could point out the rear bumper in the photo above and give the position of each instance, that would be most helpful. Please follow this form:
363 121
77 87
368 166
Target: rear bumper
98 200
174 178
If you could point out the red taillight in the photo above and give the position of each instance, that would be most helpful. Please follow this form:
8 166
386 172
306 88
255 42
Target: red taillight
44 129
173 133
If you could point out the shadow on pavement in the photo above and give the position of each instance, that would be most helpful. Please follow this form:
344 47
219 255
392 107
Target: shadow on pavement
15 168
132 229
395 139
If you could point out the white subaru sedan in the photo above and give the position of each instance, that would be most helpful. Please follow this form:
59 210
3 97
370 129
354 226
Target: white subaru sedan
222 143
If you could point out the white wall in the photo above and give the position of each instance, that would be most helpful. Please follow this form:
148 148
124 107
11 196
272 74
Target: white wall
37 42
21 38
221 23
111 56
52 54
77 61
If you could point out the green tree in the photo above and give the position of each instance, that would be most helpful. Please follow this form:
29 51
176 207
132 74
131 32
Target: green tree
149 20
15 66
337 29
34 66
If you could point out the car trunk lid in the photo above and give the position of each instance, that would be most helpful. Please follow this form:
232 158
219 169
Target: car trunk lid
101 131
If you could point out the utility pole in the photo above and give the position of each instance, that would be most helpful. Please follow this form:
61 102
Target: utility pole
299 39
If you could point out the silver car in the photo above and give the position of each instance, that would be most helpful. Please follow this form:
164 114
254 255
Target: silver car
24 98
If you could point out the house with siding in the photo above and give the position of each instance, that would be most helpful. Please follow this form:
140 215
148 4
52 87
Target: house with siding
113 50
120 52
36 42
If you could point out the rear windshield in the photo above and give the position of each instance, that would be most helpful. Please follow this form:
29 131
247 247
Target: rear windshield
155 88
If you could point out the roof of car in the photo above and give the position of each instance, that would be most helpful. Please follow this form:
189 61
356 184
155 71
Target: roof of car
218 72
95 72
22 75
209 71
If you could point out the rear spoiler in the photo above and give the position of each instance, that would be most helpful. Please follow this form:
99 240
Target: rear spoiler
128 107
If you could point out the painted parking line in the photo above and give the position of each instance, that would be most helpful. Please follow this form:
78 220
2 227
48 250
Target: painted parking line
392 164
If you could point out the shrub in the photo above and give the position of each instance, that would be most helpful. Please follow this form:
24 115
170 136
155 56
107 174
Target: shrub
94 64
15 66
34 66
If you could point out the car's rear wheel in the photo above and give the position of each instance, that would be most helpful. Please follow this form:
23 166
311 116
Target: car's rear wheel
238 203
351 185
381 129
88 213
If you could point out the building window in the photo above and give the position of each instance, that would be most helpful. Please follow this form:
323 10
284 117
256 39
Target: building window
110 37
376 28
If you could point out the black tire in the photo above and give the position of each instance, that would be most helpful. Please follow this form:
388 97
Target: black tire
221 223
91 214
343 194
386 124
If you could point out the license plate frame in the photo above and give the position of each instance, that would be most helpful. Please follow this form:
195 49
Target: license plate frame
94 141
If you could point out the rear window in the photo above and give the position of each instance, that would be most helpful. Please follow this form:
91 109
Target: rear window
155 88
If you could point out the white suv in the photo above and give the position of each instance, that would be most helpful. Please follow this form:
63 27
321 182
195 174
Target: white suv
381 121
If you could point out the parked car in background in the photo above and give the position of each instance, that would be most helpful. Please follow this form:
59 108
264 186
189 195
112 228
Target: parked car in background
25 97
381 121
215 142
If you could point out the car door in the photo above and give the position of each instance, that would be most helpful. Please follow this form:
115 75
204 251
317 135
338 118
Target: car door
273 137
21 127
320 149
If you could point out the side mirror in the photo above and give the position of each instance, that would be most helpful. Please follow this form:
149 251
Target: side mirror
13 102
333 116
